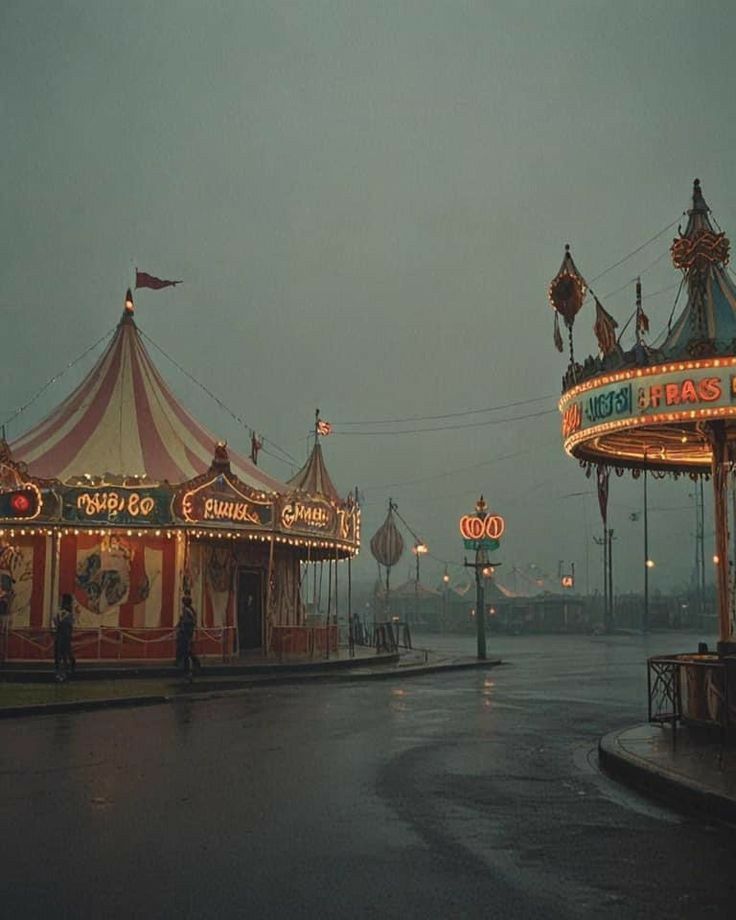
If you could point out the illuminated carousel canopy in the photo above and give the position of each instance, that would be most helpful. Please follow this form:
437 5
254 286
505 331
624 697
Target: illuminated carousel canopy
122 452
658 407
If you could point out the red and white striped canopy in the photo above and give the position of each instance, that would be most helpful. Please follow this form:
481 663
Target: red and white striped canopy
314 478
123 420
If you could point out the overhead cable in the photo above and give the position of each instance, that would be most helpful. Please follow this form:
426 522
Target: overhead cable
637 250
495 421
290 461
462 412
58 376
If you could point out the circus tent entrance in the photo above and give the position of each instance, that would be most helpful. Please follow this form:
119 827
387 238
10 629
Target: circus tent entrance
250 610
123 500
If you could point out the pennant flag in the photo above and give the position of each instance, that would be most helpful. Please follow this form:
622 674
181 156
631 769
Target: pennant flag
324 428
605 329
144 280
557 334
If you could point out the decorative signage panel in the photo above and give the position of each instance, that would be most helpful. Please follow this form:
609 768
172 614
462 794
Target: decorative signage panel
116 506
671 393
20 504
310 515
220 501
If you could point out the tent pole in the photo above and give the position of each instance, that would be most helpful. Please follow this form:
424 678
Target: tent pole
351 638
719 467
329 605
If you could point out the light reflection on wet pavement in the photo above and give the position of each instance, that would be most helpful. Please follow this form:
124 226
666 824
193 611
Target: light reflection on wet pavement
468 794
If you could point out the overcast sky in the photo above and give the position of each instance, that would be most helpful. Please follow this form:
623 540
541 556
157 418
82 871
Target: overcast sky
366 202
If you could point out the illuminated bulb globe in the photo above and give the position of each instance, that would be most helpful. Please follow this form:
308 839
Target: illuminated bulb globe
650 563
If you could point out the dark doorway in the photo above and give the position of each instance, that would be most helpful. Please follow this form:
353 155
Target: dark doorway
250 609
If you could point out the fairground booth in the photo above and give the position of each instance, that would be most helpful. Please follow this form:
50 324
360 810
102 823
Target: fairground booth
121 499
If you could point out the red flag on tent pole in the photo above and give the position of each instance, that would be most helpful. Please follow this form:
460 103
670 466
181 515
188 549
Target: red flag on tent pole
144 280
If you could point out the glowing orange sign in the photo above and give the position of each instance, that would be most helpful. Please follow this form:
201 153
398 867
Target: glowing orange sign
474 527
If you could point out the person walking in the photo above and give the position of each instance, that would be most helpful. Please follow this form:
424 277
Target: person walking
64 660
185 638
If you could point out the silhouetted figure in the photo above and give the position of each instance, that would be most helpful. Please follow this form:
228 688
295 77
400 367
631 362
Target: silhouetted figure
185 638
64 660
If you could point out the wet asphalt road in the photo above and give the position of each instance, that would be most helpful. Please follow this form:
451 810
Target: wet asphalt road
469 794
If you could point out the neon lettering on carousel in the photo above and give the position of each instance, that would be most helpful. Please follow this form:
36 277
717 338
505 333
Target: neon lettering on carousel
658 394
215 509
116 506
302 515
221 501
110 504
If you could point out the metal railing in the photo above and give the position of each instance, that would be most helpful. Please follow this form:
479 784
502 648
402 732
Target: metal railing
689 688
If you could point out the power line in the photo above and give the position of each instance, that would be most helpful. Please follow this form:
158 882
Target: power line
58 376
497 421
462 469
431 418
220 403
637 250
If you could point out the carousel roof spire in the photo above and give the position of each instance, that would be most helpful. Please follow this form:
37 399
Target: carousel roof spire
708 320
313 476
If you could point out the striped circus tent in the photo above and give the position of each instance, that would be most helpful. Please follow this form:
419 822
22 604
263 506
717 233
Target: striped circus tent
124 421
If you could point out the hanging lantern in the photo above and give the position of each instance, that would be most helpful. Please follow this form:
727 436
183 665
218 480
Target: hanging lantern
567 290
387 544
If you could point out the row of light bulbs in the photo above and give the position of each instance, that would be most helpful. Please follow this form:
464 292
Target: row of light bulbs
196 534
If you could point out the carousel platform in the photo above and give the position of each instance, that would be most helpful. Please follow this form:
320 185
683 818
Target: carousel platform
689 768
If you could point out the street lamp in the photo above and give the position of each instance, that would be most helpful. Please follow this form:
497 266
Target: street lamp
647 560
419 549
445 584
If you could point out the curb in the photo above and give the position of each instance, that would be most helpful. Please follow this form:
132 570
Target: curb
51 709
43 674
203 691
676 790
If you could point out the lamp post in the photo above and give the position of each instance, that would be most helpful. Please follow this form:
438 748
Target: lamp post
648 564
445 583
481 531
419 549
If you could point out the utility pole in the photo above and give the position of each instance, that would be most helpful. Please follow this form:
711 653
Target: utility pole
610 581
603 543
645 617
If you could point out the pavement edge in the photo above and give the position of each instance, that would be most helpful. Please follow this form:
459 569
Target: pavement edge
202 691
676 790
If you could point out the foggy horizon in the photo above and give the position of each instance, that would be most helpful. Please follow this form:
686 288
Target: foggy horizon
366 205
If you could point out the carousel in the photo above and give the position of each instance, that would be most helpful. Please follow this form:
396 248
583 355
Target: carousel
123 500
665 410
